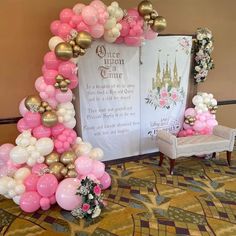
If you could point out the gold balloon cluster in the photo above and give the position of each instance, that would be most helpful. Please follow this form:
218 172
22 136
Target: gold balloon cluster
190 120
62 83
75 47
62 166
213 109
44 107
150 16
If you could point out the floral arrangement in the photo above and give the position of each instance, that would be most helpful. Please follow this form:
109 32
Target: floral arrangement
203 50
92 200
165 97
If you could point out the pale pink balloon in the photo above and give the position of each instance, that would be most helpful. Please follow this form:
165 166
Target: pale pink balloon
22 107
105 181
90 15
22 125
90 176
64 31
97 31
67 69
63 97
54 27
47 185
98 169
77 9
39 169
40 84
41 132
66 194
51 61
49 76
83 27
199 125
150 35
52 102
66 15
84 165
97 4
5 151
190 112
32 119
187 126
29 201
31 182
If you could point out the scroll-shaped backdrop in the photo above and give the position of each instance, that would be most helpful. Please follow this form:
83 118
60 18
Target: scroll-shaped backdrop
123 104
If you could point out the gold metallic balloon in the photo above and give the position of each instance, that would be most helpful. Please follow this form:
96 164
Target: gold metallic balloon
70 166
147 17
55 169
84 40
49 118
71 174
33 103
68 157
64 51
52 158
145 7
154 15
59 78
63 84
159 24
64 171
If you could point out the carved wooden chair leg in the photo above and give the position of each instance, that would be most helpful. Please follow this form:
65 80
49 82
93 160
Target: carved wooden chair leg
172 164
229 157
161 158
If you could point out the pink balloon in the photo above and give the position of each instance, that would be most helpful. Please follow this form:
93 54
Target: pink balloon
66 15
90 176
125 28
134 14
39 169
41 132
150 35
84 165
64 31
29 201
133 41
90 15
187 126
105 181
66 194
51 62
22 107
119 40
64 97
22 125
97 31
40 84
83 27
52 199
74 81
75 20
57 130
49 76
67 69
97 4
190 112
198 125
32 119
31 182
47 185
5 151
98 169
77 9
45 203
54 27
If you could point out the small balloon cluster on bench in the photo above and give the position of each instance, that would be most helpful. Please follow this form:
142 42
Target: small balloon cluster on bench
201 119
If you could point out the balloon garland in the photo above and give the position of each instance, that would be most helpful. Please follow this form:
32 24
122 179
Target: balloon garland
50 163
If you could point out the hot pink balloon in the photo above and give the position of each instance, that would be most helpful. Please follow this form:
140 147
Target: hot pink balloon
31 182
67 69
133 13
66 15
22 125
49 76
57 130
125 28
84 165
51 62
74 81
75 20
97 31
90 15
133 41
22 107
64 30
105 181
29 201
98 169
39 169
83 27
41 132
66 194
47 185
54 27
32 119
45 203
63 97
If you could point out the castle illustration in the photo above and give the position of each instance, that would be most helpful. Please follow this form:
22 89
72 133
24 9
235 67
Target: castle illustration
165 79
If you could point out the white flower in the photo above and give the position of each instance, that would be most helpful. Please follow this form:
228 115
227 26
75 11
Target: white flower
197 68
90 196
97 212
199 37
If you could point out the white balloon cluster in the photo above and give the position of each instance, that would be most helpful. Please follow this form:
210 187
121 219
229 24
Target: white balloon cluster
112 27
29 150
66 114
86 149
13 188
202 101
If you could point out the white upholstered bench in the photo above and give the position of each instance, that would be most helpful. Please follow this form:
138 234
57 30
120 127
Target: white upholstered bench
169 145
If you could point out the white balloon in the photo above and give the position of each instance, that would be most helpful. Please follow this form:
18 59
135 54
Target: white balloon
44 146
3 184
70 124
40 159
12 193
79 140
109 39
19 155
16 199
111 22
83 149
20 189
33 141
11 184
213 102
54 41
96 154
22 173
31 161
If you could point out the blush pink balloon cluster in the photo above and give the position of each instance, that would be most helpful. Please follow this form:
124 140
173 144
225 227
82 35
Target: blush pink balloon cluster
199 120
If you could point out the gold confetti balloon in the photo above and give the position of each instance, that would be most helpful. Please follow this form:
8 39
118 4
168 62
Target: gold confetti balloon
33 103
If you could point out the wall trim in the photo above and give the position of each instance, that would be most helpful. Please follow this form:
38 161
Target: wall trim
226 102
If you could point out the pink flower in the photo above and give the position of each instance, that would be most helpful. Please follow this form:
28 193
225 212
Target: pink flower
97 190
174 96
164 93
162 102
85 207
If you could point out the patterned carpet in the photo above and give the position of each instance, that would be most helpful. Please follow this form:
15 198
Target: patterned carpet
199 199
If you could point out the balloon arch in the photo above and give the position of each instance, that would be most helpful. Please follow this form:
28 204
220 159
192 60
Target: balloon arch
50 163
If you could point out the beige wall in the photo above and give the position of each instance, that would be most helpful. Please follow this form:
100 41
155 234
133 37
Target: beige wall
24 35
